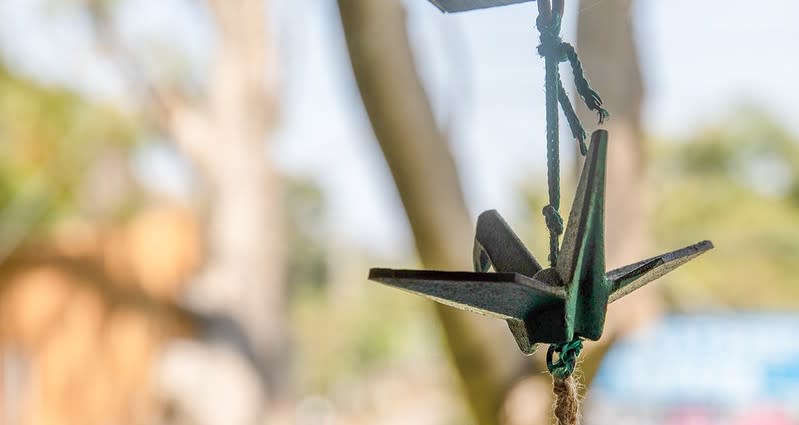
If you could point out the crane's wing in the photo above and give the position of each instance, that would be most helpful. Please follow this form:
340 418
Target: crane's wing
496 244
501 295
629 278
464 5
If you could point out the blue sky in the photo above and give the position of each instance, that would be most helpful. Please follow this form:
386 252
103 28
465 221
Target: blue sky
701 60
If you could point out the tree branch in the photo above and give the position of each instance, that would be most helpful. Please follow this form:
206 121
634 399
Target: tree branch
426 178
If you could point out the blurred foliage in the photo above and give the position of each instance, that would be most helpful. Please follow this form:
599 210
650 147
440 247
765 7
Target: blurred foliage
345 328
736 184
307 236
49 140
348 333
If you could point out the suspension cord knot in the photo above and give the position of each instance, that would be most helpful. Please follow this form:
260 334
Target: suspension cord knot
549 36
553 219
554 223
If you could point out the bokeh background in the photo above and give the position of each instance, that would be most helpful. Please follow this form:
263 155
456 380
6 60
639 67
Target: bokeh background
192 192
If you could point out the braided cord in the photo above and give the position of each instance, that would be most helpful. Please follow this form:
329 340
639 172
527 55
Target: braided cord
554 51
590 97
578 132
549 49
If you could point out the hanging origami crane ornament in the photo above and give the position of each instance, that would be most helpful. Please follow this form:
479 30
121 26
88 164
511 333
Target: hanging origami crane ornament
567 302
553 305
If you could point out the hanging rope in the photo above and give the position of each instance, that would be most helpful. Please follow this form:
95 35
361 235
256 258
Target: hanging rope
549 28
567 402
554 51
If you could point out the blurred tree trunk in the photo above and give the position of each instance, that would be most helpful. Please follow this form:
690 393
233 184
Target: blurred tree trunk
606 43
427 181
240 291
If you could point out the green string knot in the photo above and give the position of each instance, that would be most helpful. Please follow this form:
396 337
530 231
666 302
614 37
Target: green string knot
553 219
567 358
549 35
554 224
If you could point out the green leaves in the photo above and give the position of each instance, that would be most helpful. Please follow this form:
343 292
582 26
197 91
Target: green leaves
735 183
49 139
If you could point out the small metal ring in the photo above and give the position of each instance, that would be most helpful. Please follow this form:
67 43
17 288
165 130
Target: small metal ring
550 354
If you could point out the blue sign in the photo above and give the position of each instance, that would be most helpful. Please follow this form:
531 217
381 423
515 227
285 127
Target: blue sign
710 362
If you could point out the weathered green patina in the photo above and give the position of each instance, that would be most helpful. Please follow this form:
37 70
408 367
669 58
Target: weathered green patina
555 305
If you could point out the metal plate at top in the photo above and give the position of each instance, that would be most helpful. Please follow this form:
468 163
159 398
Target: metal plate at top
450 6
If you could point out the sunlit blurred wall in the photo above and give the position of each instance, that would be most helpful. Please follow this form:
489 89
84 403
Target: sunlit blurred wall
83 314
